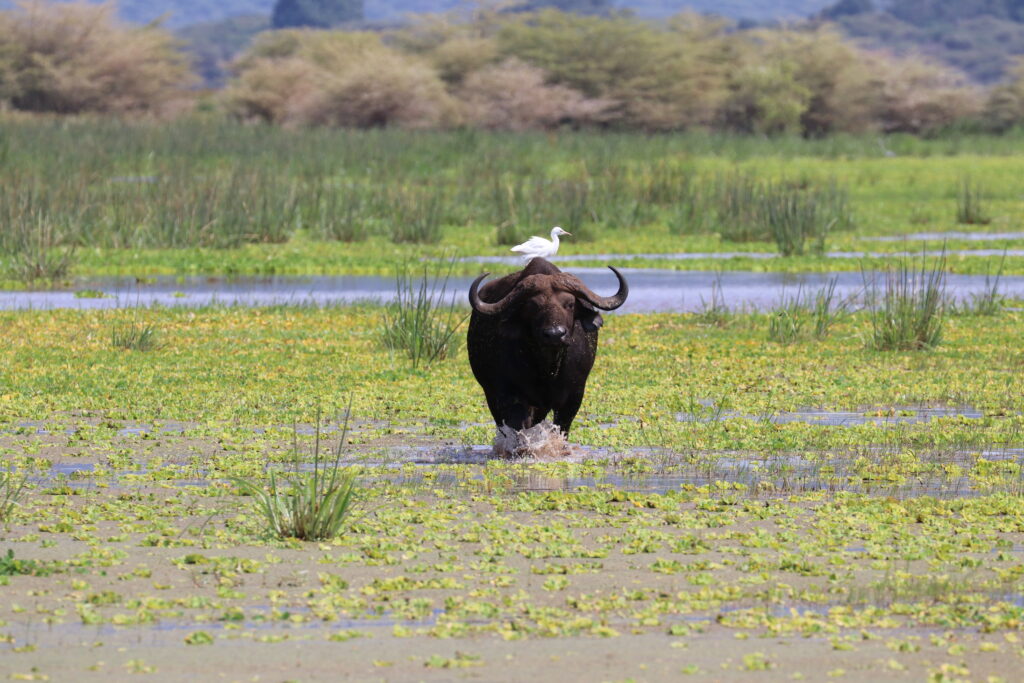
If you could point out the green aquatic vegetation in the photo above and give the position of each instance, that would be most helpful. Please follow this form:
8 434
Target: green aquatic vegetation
990 301
12 487
213 197
423 319
970 208
309 506
134 335
908 313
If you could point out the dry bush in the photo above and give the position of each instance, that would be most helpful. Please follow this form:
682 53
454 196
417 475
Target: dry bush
918 96
513 96
334 78
76 57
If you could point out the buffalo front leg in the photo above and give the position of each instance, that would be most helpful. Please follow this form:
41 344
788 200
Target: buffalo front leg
566 413
516 415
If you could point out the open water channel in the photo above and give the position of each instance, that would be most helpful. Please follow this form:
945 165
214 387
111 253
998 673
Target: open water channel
651 290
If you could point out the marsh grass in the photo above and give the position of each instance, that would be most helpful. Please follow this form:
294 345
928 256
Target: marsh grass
422 320
806 314
715 311
12 486
990 301
33 249
970 209
309 506
418 216
909 312
135 335
794 216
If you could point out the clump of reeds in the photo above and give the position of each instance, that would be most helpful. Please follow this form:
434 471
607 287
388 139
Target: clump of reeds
990 301
909 311
798 315
794 216
715 311
12 486
32 248
422 320
135 335
970 208
310 506
417 217
742 208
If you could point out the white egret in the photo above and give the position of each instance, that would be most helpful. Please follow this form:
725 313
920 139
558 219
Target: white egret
540 247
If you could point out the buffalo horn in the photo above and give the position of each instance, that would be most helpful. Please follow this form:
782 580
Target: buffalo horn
497 307
605 303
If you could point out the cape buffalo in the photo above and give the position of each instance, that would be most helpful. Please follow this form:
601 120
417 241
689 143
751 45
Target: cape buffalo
532 340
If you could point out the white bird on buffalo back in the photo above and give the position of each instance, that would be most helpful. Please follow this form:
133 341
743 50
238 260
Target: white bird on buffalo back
539 247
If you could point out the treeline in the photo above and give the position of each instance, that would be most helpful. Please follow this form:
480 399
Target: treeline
503 71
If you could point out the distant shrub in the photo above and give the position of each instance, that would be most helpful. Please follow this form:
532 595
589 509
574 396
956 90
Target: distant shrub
71 58
334 78
1004 108
661 78
514 96
811 82
920 97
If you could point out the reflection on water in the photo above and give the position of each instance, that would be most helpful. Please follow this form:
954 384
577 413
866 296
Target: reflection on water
651 290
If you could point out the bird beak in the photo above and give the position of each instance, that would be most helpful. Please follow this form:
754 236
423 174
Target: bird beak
568 233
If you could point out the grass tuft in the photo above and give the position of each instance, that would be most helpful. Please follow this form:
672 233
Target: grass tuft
309 506
11 488
909 313
419 322
798 314
970 208
135 335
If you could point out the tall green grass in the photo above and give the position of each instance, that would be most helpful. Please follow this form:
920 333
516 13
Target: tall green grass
422 320
73 185
908 309
310 506
970 204
806 314
12 486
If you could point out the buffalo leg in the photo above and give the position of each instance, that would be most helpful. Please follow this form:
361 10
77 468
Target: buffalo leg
516 415
566 413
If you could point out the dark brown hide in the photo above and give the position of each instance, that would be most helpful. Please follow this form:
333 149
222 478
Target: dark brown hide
532 341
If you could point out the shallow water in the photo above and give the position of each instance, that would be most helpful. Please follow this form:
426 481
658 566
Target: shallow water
651 290
666 472
895 415
949 235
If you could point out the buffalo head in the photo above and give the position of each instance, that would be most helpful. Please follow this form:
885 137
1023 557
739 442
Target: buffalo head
550 304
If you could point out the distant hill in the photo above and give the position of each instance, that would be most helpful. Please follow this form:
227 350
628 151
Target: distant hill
979 37
179 13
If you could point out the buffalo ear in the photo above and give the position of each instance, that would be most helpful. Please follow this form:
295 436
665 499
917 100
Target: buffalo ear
588 316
